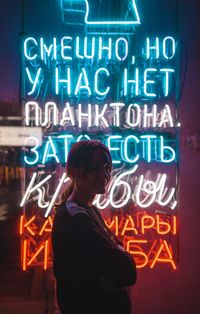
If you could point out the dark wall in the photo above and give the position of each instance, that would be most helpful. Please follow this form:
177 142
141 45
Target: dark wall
177 292
158 291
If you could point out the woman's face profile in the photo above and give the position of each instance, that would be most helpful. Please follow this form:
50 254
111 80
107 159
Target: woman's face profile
98 176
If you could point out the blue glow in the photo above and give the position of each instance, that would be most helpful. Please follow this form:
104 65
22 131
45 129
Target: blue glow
104 70
27 51
86 55
67 138
33 150
148 82
50 108
79 86
117 48
131 110
48 50
87 115
119 23
154 48
171 40
69 117
65 48
29 107
148 148
127 149
135 81
66 81
78 48
166 151
34 81
131 138
100 115
50 151
117 106
83 137
108 48
114 139
166 80
150 115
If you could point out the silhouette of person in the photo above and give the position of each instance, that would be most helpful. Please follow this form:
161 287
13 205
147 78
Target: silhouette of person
91 267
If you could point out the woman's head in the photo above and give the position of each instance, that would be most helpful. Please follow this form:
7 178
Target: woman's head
89 165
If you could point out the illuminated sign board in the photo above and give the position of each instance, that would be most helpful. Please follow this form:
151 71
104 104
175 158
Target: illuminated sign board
98 82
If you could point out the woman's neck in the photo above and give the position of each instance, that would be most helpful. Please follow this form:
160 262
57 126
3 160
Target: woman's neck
82 199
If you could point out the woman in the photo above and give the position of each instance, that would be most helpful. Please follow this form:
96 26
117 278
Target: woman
91 267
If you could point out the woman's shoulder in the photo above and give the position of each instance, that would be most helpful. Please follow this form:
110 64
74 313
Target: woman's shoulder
74 209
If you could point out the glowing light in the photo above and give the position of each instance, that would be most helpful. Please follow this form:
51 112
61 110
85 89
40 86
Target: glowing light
166 41
137 252
66 138
36 254
21 225
100 116
78 55
166 80
33 150
120 23
135 110
24 250
132 138
50 108
65 48
63 179
154 48
105 48
96 78
135 81
66 81
35 81
69 117
29 222
46 246
85 85
147 222
29 106
27 50
124 186
83 137
149 115
166 117
86 55
164 247
114 138
154 191
44 50
166 151
31 189
148 141
87 115
121 39
148 82
50 146
117 107
129 226
44 227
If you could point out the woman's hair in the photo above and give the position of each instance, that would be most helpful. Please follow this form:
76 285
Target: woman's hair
80 156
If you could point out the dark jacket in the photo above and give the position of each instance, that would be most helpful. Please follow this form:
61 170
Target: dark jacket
92 272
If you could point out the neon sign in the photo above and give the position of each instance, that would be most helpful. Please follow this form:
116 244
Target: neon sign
96 82
78 8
